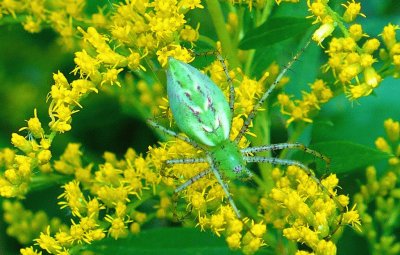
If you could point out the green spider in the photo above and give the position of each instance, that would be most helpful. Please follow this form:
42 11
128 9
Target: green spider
201 112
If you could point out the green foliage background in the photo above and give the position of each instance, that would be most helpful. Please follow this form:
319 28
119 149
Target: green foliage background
27 62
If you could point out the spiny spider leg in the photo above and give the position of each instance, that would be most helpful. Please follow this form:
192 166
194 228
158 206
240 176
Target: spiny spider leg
186 161
192 180
260 102
225 188
173 134
230 82
282 146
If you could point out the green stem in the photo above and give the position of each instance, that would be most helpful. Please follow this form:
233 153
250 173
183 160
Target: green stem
217 17
250 209
262 124
43 181
266 11
341 25
262 127
238 29
264 16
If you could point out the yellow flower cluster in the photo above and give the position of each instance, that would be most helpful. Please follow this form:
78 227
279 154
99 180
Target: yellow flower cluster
14 182
25 225
98 200
249 238
350 58
303 110
16 178
348 61
65 98
305 213
36 147
98 64
392 144
146 27
379 199
38 14
353 59
297 205
392 52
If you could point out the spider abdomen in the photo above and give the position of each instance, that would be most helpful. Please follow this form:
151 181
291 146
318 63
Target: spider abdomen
199 107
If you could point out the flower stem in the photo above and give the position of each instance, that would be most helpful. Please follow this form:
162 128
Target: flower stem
264 16
217 17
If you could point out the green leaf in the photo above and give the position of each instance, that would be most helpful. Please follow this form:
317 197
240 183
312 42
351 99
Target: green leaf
274 30
164 241
360 121
348 156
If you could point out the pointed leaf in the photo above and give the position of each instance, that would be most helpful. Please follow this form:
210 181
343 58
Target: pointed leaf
348 156
274 30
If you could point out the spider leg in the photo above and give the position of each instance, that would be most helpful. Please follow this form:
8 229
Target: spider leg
174 134
185 161
282 146
226 190
192 180
230 82
260 102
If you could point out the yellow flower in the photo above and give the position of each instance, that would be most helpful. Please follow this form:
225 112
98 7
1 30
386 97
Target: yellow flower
383 145
110 196
63 238
74 198
318 9
392 129
189 34
86 65
44 156
111 77
352 217
356 32
48 243
323 32
191 4
352 10
234 241
372 78
371 45
21 143
175 51
389 35
118 228
29 251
